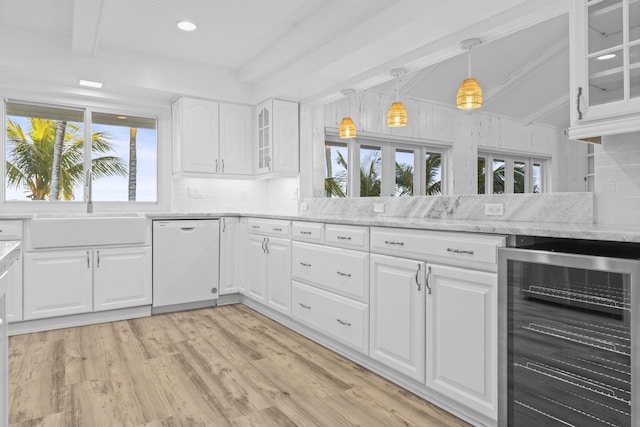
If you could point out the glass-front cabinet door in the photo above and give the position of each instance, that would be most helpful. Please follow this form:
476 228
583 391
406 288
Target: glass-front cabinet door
605 40
265 132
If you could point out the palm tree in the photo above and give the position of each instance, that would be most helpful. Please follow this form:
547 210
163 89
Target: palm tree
431 171
30 158
335 186
499 178
133 163
370 175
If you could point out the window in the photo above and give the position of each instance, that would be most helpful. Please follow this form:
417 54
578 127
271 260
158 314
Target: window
510 173
47 158
387 168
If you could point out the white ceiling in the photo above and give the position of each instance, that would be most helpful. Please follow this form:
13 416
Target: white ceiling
308 50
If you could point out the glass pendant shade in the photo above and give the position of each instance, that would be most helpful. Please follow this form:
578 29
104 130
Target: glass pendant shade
347 128
397 115
469 95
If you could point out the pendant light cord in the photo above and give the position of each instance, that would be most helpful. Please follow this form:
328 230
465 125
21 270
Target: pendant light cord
469 60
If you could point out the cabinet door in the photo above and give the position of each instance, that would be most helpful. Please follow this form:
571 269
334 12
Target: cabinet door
4 356
461 336
198 135
256 284
286 137
229 253
57 283
14 291
264 136
397 314
235 139
122 278
279 274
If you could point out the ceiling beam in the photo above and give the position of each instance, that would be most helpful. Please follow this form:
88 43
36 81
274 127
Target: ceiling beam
553 106
87 15
414 79
539 60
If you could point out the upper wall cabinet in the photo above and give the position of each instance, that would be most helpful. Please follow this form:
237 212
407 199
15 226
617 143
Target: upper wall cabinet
277 138
211 137
605 67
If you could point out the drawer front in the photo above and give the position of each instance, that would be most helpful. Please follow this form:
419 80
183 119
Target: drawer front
336 270
347 236
467 249
11 230
308 231
342 319
269 227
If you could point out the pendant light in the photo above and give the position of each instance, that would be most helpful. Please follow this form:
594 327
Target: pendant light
469 95
347 127
397 114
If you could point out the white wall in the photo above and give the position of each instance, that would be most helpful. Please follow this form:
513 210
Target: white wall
617 180
466 131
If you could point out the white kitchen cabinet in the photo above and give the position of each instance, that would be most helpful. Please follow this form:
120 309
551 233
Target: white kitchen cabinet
57 283
211 137
277 138
121 278
229 255
236 155
462 336
243 253
397 314
605 67
4 350
14 292
279 274
256 284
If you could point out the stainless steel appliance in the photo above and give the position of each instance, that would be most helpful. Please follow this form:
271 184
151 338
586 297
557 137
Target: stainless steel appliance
569 334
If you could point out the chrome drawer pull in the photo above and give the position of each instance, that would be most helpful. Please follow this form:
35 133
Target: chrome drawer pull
340 273
391 242
277 229
304 264
305 232
417 273
343 237
342 322
308 307
255 226
460 251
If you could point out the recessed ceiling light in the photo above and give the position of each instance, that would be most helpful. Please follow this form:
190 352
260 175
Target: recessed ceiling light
186 25
122 117
606 56
90 83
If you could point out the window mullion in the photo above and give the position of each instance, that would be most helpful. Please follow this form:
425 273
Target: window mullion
353 170
388 173
87 151
488 177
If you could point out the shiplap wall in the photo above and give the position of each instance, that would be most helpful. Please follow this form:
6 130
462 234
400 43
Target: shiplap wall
466 131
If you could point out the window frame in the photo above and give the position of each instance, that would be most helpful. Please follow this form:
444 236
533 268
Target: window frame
388 145
510 158
162 116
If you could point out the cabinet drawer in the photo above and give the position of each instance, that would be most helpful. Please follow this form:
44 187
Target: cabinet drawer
469 249
342 271
347 236
342 319
307 231
11 230
269 227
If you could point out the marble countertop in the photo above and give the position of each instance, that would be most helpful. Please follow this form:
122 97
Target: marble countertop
572 231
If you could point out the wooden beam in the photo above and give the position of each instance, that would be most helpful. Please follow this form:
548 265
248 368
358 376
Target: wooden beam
543 57
87 16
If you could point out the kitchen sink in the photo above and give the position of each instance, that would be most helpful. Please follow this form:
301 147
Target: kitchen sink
65 230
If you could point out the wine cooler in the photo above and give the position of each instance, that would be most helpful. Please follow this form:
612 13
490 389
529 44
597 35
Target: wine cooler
569 334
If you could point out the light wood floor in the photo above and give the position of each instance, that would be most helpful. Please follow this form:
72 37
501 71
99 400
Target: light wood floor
225 366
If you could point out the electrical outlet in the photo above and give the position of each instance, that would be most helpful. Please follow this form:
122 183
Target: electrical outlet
378 207
304 206
194 193
494 209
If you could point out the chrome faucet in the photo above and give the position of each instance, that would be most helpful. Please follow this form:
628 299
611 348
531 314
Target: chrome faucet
88 191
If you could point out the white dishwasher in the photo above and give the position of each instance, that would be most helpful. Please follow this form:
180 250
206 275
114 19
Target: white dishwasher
185 263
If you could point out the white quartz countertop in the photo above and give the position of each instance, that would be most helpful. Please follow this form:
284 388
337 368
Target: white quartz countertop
572 231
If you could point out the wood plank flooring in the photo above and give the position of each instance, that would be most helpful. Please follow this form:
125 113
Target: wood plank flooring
223 366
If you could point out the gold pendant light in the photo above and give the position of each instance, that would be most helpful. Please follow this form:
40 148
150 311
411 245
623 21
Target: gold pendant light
347 127
469 95
397 114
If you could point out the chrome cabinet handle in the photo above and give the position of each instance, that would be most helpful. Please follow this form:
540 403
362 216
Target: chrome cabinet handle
417 273
460 251
88 265
224 225
216 165
266 244
391 242
427 281
304 264
222 165
263 243
342 322
305 232
307 307
98 260
340 273
578 103
345 238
